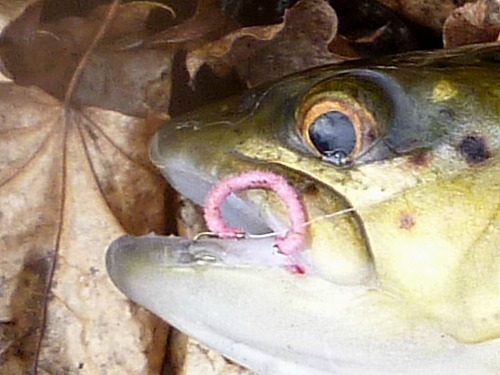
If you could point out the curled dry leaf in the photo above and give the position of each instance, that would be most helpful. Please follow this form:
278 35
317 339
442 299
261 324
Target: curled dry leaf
477 22
207 23
70 182
216 53
264 53
46 55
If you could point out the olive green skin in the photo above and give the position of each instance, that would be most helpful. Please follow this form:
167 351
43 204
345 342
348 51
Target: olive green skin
402 248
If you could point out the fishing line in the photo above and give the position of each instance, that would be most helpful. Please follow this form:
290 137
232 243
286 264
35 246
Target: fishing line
288 242
305 224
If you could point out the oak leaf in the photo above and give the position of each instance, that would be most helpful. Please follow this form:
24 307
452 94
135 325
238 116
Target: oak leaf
263 53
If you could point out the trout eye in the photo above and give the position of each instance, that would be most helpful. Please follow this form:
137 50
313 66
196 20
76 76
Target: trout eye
336 129
333 135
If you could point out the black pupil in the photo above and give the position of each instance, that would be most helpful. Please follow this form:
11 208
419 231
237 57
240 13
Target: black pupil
333 134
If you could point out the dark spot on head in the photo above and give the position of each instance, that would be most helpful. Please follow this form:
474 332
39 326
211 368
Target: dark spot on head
474 149
406 221
420 159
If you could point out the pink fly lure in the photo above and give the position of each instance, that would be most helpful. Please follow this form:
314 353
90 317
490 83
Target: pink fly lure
292 242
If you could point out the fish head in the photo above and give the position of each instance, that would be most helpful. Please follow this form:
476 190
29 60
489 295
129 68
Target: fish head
398 171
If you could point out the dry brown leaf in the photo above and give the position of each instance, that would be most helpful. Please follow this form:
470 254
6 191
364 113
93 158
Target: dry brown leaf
214 53
10 10
48 55
301 43
428 13
112 80
70 182
477 22
189 357
208 23
343 47
77 171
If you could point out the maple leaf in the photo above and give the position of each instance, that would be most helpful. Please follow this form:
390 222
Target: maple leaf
71 181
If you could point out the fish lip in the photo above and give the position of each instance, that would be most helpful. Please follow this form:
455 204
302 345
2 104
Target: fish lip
179 252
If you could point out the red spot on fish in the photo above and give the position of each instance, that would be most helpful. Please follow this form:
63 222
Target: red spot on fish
406 221
296 269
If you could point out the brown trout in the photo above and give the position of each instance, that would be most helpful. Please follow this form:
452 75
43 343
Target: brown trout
396 163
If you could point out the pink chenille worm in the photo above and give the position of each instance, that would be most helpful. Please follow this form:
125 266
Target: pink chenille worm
292 242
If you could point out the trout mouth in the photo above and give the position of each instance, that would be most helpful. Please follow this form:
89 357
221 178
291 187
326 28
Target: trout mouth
335 248
260 228
238 212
